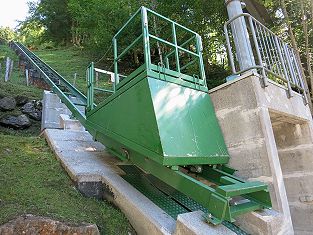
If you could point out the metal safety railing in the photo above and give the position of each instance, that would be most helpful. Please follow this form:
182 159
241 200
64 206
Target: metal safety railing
171 48
269 54
93 84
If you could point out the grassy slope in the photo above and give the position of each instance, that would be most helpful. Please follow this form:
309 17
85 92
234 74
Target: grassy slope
31 179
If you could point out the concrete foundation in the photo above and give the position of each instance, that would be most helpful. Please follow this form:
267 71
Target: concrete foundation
269 138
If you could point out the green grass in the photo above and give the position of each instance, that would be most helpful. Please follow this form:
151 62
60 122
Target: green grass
5 52
32 181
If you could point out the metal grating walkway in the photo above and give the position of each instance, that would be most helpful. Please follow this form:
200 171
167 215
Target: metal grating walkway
167 198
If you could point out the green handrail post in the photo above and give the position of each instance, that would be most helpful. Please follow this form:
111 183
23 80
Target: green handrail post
90 87
199 52
176 48
146 43
115 64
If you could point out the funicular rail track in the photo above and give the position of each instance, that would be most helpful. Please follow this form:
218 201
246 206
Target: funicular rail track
69 95
165 154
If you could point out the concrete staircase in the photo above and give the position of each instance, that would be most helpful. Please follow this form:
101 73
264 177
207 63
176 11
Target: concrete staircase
297 167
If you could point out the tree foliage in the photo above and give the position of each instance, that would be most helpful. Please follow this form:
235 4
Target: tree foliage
7 34
91 24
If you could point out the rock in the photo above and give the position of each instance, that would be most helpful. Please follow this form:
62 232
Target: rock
7 103
32 109
30 224
16 122
21 100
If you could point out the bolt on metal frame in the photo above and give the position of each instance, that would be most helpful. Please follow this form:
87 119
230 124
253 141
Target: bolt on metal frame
274 57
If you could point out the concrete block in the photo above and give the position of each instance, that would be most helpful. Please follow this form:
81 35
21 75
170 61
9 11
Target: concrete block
298 185
298 158
52 108
267 222
67 123
302 217
193 223
91 189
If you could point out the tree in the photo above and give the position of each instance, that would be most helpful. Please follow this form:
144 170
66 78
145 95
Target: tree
6 34
54 16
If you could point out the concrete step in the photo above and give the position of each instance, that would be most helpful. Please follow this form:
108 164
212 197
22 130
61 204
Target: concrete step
299 186
302 217
296 158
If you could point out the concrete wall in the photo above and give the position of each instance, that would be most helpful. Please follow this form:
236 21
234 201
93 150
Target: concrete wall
264 130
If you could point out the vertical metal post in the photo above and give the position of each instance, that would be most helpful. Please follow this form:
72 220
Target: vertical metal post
291 72
176 48
283 64
90 87
146 43
239 28
257 48
199 52
306 101
167 62
115 64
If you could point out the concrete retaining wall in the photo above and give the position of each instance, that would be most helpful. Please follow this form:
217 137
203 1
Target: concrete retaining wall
269 138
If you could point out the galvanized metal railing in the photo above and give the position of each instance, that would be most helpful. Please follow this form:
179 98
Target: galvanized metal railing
273 58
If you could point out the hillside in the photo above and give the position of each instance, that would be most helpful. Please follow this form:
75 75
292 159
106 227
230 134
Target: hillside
32 180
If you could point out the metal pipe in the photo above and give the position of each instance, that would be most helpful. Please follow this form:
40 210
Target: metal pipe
176 48
241 38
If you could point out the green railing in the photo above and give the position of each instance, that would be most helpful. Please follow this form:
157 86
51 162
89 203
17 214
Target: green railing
184 50
167 50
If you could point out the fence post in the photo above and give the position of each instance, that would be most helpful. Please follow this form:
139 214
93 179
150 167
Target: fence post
241 39
27 77
7 70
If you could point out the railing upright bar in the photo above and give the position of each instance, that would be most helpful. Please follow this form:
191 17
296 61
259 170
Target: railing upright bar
264 49
199 51
289 68
276 56
293 64
272 50
115 64
229 50
292 72
145 30
281 58
176 47
298 70
301 80
258 51
268 49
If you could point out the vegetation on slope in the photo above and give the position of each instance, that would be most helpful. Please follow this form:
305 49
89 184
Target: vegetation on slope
32 181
